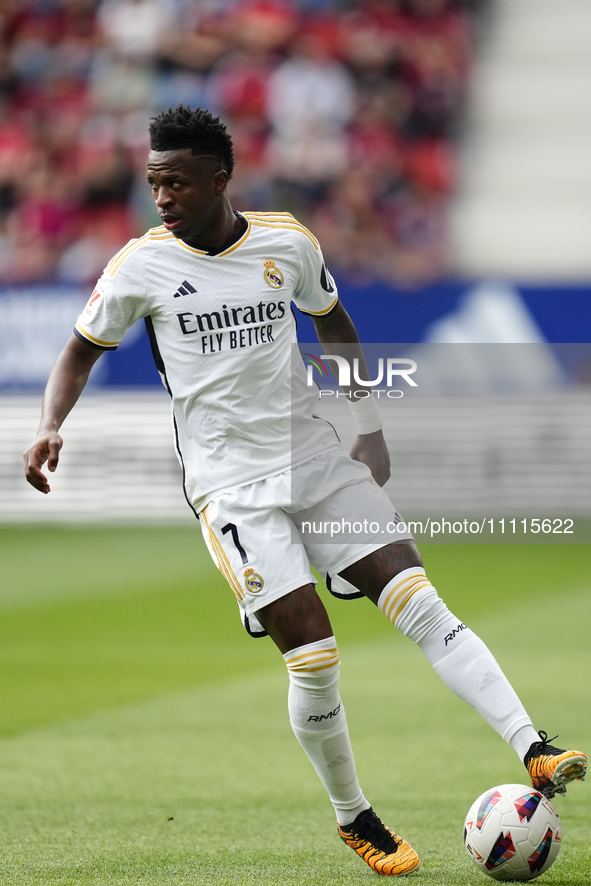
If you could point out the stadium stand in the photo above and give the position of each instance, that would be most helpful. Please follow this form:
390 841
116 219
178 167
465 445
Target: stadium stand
346 113
522 208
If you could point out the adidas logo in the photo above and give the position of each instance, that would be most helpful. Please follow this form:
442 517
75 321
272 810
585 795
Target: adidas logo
184 289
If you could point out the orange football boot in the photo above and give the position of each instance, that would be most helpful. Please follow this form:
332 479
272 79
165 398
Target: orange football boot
384 851
551 769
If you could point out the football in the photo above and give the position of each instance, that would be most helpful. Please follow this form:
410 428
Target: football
512 832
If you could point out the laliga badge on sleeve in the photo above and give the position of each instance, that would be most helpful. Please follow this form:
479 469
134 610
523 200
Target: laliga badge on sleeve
90 308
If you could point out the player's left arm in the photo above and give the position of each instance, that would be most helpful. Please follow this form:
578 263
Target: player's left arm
338 330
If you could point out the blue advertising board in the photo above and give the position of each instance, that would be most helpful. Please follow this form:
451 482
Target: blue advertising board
35 322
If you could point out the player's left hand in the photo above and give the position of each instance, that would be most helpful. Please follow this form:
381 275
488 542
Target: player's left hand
371 450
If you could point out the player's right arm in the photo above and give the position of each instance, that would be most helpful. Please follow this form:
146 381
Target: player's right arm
65 384
115 304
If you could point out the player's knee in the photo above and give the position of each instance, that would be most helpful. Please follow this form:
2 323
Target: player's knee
296 619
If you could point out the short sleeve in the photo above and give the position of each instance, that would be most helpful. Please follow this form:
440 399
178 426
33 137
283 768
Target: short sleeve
315 292
115 304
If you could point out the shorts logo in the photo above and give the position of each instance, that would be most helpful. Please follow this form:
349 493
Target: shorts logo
253 581
273 276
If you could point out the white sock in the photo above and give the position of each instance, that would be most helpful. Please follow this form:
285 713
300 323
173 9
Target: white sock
523 739
318 720
458 656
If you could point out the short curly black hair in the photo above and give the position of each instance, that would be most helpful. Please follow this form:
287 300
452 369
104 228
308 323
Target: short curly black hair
197 129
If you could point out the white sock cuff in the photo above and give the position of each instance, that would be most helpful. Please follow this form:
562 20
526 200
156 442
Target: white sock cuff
400 589
312 658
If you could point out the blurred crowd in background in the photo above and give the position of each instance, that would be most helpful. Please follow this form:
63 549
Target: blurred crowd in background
347 113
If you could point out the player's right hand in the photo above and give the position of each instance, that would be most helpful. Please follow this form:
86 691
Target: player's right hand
45 448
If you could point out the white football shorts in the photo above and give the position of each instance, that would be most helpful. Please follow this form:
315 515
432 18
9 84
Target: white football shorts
327 512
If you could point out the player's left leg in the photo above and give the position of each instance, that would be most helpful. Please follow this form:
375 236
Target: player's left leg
393 577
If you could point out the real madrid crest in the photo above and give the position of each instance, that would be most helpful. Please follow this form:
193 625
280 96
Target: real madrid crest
253 581
273 276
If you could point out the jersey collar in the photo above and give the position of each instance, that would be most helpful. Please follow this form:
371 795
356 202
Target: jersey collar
227 247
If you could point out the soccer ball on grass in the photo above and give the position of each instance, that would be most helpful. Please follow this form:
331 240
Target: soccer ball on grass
512 832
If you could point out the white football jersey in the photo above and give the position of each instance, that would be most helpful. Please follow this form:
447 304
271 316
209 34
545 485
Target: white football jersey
222 332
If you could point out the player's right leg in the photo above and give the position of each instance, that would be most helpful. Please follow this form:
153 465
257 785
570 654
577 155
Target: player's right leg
299 626
249 535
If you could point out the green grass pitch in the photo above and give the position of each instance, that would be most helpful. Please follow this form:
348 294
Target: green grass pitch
144 737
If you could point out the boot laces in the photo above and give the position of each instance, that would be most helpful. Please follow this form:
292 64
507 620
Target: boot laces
372 829
545 743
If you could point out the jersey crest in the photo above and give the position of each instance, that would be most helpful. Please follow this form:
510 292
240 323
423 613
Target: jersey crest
273 276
